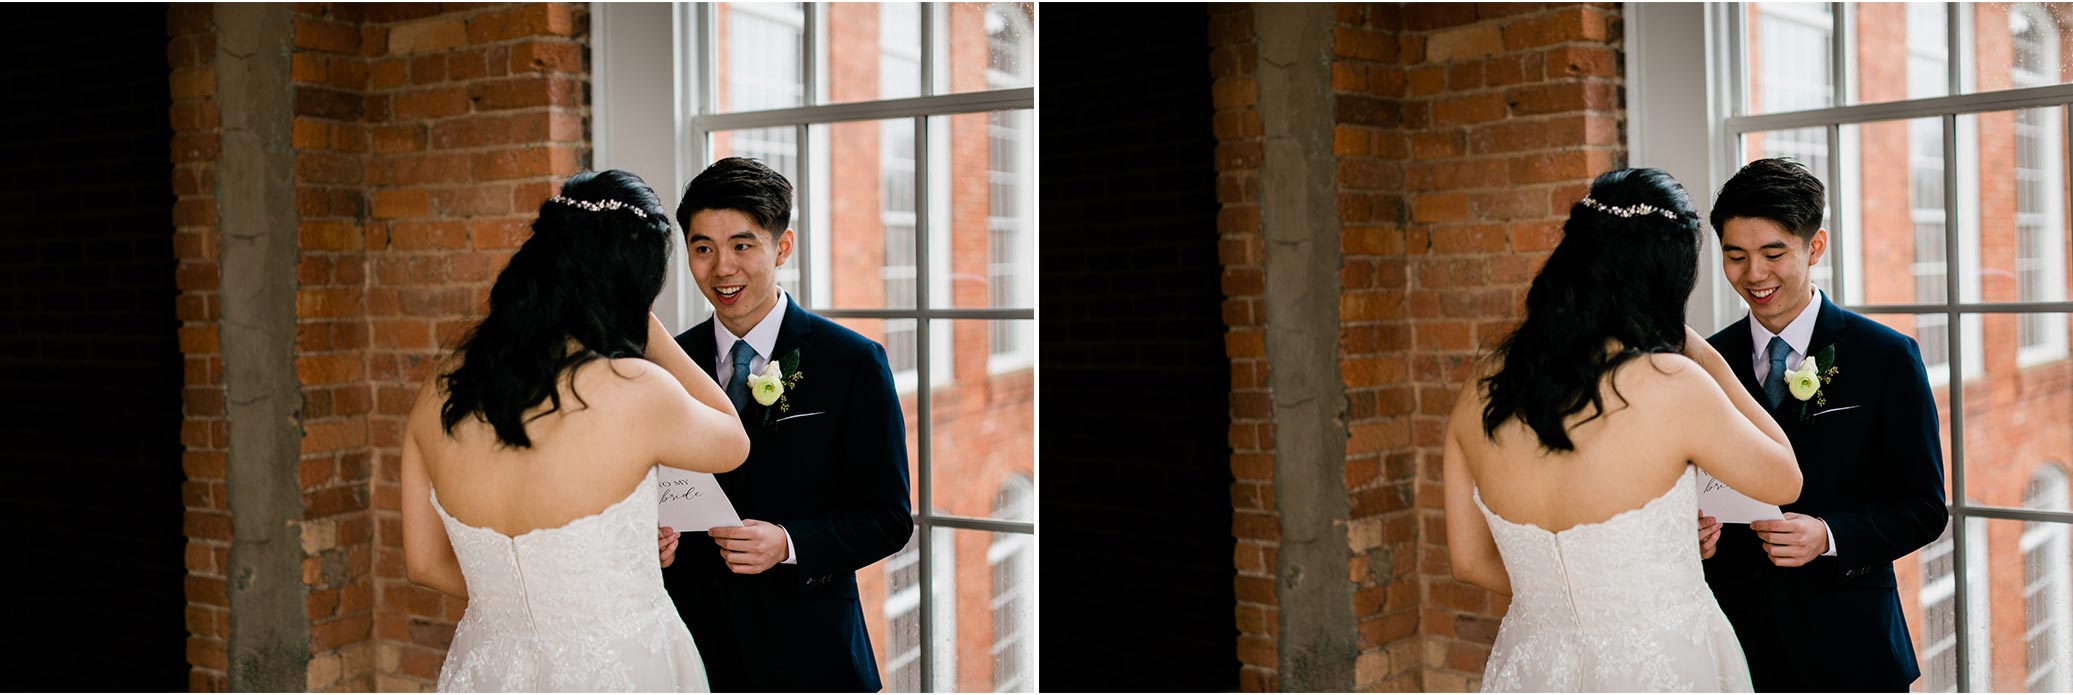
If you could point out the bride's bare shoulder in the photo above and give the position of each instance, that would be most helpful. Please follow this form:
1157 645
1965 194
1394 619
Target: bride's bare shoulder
1661 376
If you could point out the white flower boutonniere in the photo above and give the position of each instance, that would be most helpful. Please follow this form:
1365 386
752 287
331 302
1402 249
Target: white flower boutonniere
1807 381
772 389
768 386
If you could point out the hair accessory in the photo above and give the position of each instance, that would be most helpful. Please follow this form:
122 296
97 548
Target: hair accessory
606 204
1628 211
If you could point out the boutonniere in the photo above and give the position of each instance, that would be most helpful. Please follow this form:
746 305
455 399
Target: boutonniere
1814 372
771 388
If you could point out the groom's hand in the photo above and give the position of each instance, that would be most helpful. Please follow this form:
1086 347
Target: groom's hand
1794 540
752 547
1709 536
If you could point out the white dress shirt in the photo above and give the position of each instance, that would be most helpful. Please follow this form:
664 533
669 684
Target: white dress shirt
1796 334
763 339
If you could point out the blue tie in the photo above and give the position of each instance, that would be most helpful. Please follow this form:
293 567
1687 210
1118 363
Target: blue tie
1774 383
738 387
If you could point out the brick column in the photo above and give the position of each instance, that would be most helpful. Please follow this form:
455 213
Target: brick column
1240 149
204 432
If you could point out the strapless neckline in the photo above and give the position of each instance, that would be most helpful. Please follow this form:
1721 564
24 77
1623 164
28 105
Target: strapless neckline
647 483
1682 480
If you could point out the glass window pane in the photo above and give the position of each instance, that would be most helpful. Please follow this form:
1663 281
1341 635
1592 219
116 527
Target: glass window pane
988 642
892 592
758 48
1894 179
2019 582
1788 54
984 416
1902 51
868 204
991 46
2018 413
874 51
1927 580
2019 44
990 216
2024 224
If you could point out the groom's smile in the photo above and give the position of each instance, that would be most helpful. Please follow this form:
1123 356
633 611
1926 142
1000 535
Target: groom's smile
735 263
1771 267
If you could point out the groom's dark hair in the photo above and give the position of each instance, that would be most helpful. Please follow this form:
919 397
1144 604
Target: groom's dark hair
743 185
1775 189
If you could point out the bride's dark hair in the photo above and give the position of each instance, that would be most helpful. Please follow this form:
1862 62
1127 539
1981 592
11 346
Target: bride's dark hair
585 274
1613 279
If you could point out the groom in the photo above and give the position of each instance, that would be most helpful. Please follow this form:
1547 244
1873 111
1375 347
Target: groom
773 603
1812 596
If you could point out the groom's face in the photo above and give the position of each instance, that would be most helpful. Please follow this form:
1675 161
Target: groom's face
735 263
1770 267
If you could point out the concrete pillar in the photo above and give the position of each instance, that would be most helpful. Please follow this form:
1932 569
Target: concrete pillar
269 626
1299 216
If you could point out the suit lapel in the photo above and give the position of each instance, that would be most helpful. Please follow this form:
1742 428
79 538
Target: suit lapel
791 335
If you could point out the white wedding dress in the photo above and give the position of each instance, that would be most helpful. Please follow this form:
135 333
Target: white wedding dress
579 607
1618 605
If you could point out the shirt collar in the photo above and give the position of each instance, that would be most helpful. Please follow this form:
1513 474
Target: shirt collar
763 337
1796 334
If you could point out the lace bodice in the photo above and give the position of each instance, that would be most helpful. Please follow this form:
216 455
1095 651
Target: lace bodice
575 607
1620 604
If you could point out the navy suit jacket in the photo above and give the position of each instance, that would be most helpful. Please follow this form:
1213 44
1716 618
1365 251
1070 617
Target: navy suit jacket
833 471
1872 460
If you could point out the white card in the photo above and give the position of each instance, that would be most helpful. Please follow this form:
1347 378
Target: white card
1721 502
693 502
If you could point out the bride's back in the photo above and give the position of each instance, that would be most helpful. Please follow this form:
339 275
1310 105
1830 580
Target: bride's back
1622 459
584 457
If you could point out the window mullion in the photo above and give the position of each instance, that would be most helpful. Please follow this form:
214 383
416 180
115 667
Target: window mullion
809 51
928 49
1839 50
1954 333
922 407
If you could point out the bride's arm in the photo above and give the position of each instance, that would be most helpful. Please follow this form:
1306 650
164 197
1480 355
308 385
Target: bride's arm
428 558
1729 435
1471 550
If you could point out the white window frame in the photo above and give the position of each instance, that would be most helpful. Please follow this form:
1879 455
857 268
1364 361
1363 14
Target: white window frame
1691 127
651 115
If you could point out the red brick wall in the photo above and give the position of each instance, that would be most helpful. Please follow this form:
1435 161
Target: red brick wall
197 143
1463 132
1240 151
424 137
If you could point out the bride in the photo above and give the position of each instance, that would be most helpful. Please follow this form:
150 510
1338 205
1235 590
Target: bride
1568 466
529 459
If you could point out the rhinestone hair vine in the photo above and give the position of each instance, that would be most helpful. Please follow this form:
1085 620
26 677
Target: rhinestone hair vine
1628 211
606 204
